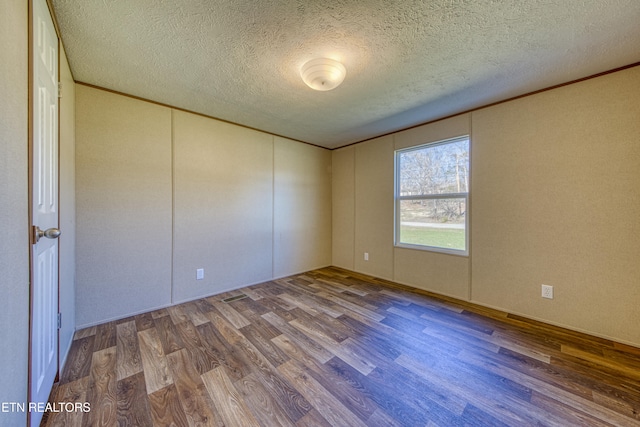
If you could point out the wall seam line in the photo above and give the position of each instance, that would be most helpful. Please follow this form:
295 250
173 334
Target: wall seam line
470 207
273 206
173 206
393 243
355 216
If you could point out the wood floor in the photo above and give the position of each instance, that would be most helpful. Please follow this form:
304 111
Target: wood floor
334 348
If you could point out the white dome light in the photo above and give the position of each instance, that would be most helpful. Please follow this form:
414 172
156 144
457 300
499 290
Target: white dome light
323 73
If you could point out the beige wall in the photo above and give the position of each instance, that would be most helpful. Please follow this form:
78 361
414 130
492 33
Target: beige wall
437 272
554 196
433 132
363 212
177 192
302 207
223 206
432 271
374 207
123 205
343 201
14 246
67 208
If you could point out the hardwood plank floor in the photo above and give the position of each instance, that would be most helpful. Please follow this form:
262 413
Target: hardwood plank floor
335 348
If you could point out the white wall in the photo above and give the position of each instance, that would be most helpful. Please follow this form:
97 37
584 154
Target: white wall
162 192
14 227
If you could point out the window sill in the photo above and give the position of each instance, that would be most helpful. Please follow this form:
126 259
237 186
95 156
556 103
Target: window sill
435 249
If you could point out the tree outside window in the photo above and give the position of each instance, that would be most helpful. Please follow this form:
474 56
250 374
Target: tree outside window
432 191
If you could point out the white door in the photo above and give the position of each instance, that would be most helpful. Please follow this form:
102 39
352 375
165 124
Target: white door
44 259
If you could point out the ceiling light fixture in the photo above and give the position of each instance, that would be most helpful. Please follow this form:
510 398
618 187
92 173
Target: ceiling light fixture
323 73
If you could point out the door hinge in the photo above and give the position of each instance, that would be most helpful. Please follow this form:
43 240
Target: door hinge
59 89
59 320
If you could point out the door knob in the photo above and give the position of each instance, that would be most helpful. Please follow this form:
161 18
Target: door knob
50 233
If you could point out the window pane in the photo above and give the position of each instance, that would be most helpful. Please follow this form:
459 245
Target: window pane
435 169
434 222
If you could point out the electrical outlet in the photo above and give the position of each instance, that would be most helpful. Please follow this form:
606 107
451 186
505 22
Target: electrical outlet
200 274
547 291
366 256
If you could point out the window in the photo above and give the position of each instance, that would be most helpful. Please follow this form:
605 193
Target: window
432 196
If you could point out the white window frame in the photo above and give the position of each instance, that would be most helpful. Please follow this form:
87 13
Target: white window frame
398 198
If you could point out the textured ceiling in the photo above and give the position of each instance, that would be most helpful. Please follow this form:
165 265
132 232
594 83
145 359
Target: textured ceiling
407 61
